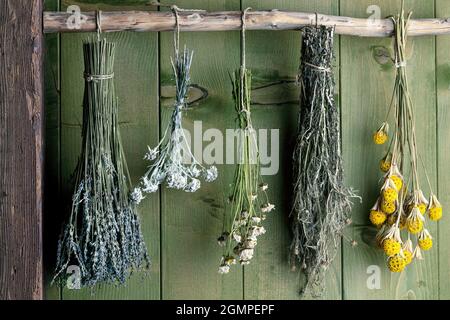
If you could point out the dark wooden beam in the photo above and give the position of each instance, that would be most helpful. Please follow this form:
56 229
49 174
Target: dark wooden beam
21 159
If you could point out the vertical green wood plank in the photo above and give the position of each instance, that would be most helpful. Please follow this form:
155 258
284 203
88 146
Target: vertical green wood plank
191 223
52 154
274 57
443 135
136 79
366 84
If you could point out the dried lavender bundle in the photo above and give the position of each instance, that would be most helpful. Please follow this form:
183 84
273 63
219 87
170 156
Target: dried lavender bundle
103 234
174 162
322 204
248 201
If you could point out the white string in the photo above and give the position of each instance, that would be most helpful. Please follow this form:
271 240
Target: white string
318 68
98 77
401 64
176 35
98 21
243 16
175 9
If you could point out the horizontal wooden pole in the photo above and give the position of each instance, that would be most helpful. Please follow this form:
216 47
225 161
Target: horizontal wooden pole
231 20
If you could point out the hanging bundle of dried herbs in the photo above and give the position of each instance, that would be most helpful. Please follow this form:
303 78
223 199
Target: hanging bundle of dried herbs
322 203
102 235
172 159
402 204
248 201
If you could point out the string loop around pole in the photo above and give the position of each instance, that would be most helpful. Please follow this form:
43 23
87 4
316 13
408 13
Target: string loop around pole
175 9
243 62
243 16
176 35
98 22
98 77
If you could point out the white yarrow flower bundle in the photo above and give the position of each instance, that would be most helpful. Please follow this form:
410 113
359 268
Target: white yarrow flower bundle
249 203
172 159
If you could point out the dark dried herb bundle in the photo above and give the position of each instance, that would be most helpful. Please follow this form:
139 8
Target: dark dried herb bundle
102 236
322 204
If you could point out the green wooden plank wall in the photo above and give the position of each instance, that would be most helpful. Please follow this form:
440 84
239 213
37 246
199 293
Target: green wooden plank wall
180 229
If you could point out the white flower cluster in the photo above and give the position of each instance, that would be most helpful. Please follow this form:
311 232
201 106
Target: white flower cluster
245 232
136 196
169 166
172 159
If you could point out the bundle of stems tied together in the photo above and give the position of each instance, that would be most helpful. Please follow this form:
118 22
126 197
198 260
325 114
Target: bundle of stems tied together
402 204
322 203
172 159
249 203
102 235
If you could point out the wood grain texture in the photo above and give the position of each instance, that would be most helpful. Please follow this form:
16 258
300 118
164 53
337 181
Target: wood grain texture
367 84
192 222
21 157
443 155
51 219
269 275
136 81
220 21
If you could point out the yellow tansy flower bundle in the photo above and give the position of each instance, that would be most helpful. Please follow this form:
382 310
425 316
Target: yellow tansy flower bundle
402 206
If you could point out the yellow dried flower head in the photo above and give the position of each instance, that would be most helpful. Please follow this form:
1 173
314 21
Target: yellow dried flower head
388 207
397 181
380 137
414 225
385 165
435 213
397 263
422 207
391 247
377 217
407 251
426 243
408 255
390 195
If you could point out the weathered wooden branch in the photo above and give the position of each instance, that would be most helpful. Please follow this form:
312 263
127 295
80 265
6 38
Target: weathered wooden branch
231 20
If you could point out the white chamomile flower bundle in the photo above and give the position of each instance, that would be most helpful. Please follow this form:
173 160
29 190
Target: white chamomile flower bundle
402 204
172 159
249 204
